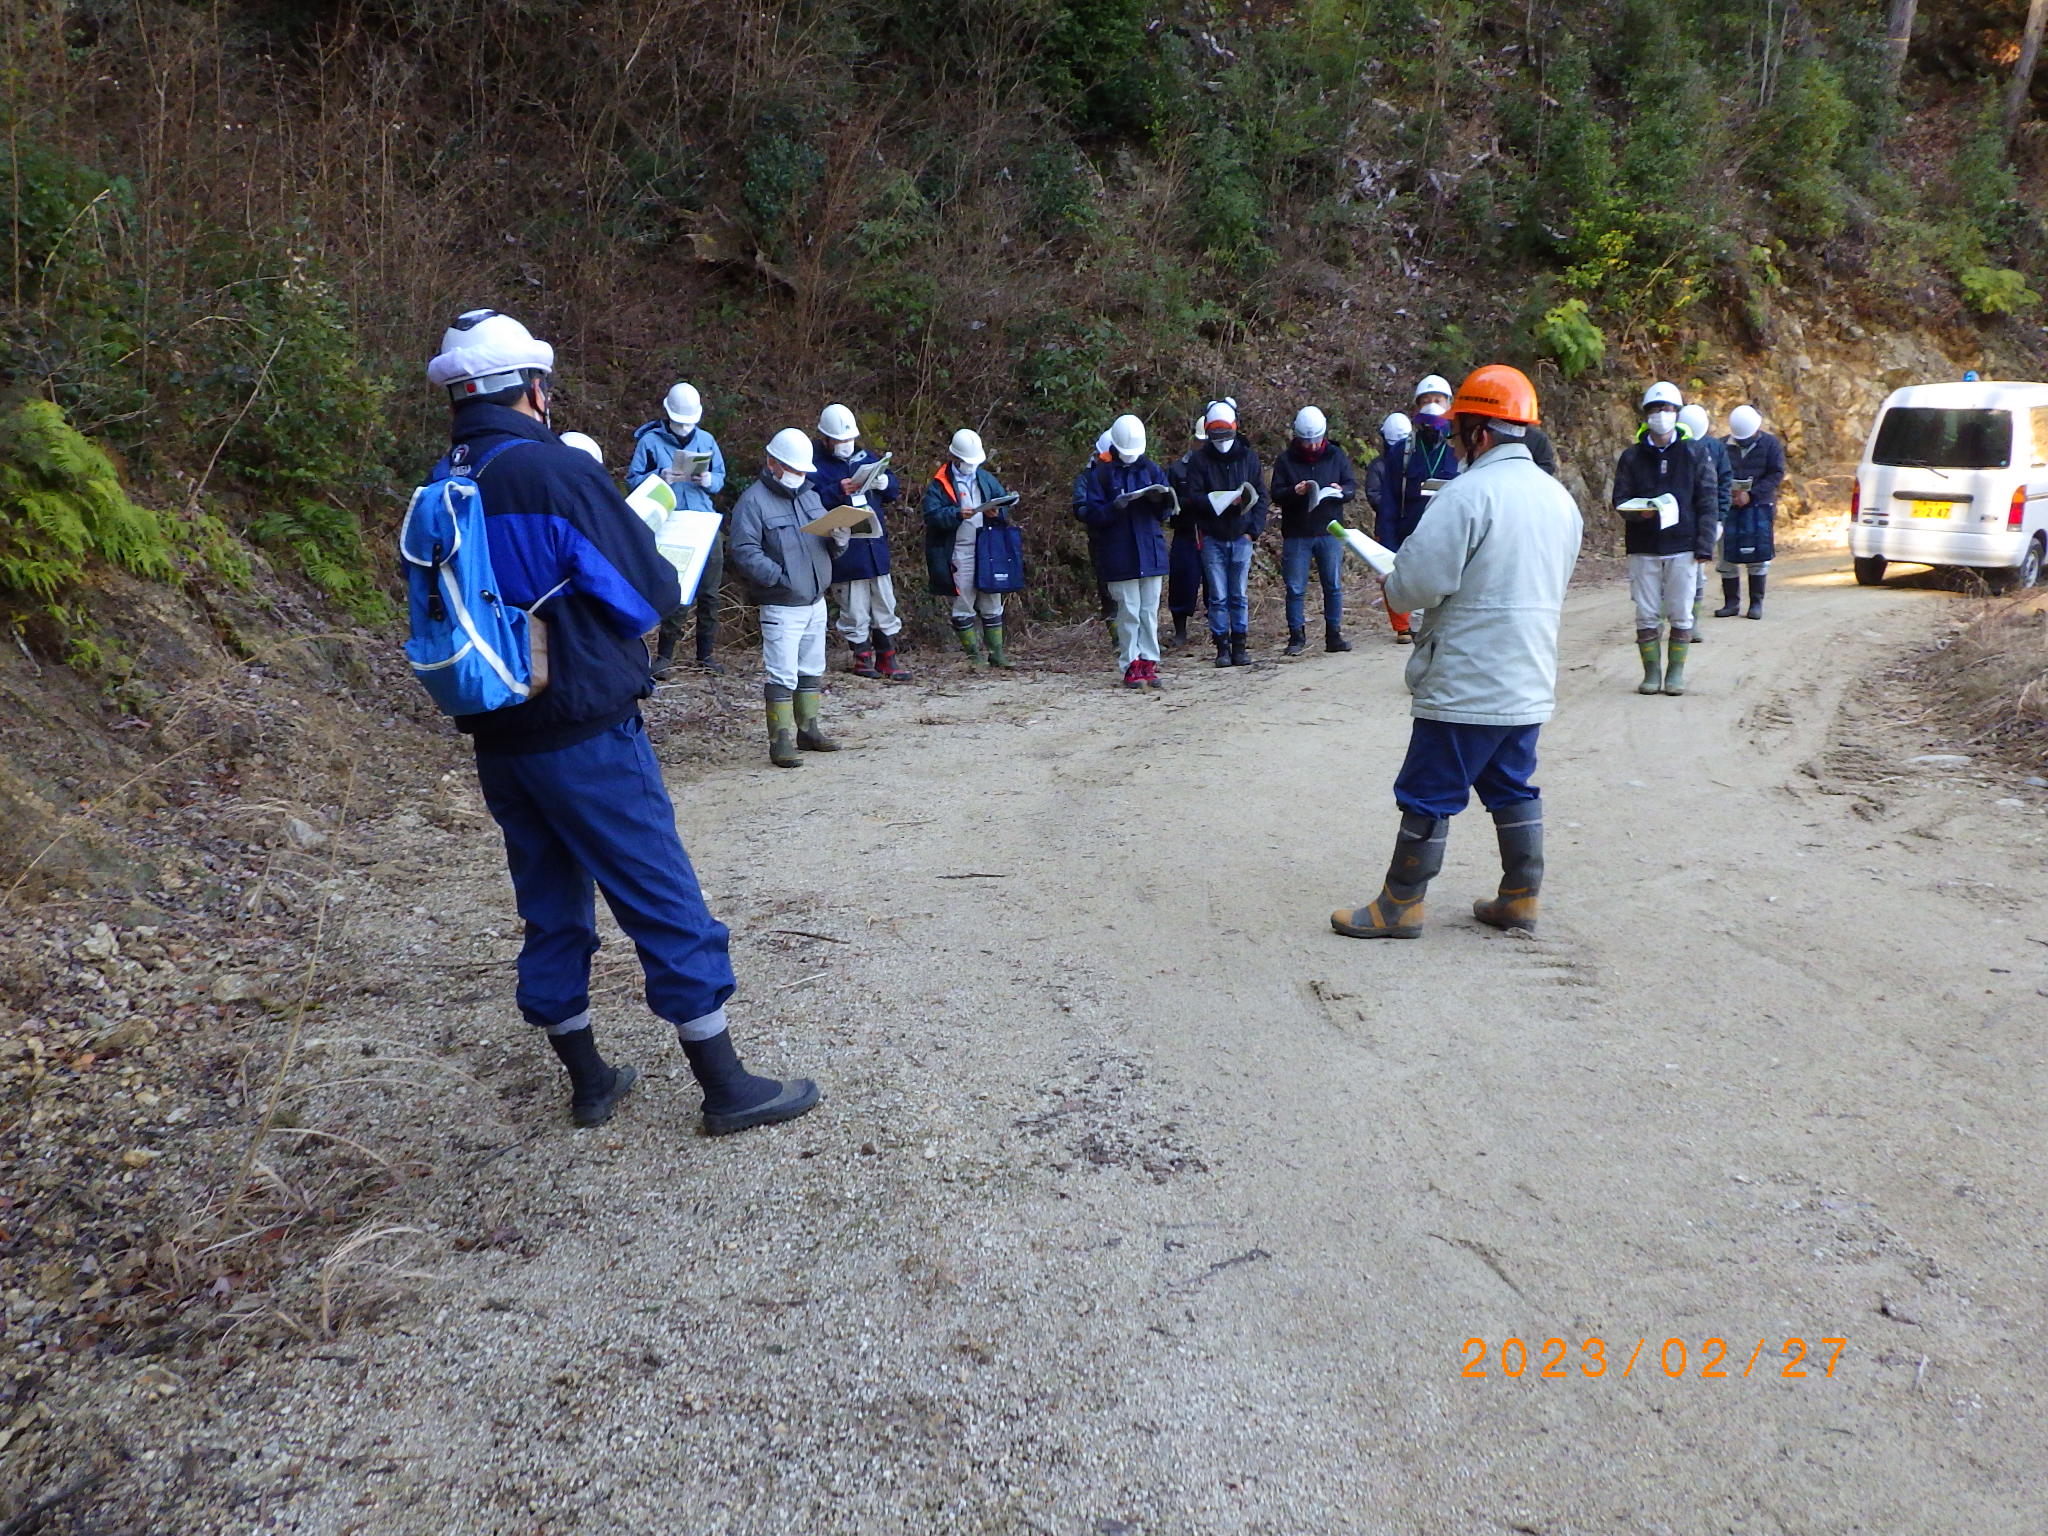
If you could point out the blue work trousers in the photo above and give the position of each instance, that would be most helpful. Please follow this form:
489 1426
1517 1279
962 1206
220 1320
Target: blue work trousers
596 816
1326 550
1227 567
1447 762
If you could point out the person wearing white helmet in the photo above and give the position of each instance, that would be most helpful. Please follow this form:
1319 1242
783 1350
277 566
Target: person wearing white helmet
1225 493
956 508
1756 468
863 590
676 447
787 572
1125 501
1313 485
1696 424
1666 539
583 442
565 547
1416 469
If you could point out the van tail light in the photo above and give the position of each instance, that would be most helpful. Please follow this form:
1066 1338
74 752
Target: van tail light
1855 501
2016 514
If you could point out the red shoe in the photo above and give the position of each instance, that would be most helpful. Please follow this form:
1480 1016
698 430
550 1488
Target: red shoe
1152 676
1134 675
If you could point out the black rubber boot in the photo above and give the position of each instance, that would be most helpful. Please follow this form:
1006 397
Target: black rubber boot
1297 642
1520 829
863 659
1756 595
1240 649
1222 650
1333 639
1396 913
595 1087
665 650
1180 631
734 1098
707 634
1731 598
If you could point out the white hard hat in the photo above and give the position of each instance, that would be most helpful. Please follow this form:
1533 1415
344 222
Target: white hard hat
836 424
1694 419
1102 444
1220 413
1397 428
1661 393
1310 424
1435 384
1127 437
792 446
584 441
1744 422
966 447
484 352
683 405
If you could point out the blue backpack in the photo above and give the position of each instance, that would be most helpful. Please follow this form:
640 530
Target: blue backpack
472 651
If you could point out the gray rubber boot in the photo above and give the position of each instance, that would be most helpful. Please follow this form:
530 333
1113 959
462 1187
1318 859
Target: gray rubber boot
1520 829
1396 913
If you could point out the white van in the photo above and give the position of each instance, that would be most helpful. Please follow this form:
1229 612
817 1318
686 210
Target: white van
1955 474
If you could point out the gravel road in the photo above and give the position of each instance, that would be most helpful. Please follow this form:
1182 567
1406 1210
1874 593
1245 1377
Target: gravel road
1141 1203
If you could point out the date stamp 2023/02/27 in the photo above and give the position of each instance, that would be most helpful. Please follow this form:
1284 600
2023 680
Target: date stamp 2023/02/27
1708 1359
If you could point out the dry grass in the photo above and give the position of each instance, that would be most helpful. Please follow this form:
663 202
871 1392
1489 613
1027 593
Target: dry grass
1988 681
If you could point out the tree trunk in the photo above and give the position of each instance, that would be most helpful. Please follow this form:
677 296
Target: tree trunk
2023 71
1898 41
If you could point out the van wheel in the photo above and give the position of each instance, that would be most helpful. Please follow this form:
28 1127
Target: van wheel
1870 570
2015 577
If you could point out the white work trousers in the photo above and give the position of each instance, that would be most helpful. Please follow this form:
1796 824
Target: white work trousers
867 607
1663 587
793 642
1137 618
968 603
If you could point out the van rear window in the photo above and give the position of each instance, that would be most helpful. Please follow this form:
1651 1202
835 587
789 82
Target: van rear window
1948 439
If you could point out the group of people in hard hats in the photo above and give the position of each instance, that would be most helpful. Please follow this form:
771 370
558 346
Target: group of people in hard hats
1479 585
802 582
1686 498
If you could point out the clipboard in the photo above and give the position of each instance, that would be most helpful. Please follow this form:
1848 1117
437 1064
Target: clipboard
848 517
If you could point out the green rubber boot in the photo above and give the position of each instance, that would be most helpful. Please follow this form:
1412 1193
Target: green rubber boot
1651 650
969 635
808 704
782 727
997 657
1674 664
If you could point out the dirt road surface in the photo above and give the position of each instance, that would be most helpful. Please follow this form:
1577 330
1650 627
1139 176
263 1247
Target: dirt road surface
1141 1203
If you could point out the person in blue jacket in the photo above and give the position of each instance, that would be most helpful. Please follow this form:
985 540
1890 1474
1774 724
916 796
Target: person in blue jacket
1384 478
657 445
863 591
1756 468
1186 582
1124 499
568 775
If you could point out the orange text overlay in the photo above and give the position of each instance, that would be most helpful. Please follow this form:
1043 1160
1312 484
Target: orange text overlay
1708 1359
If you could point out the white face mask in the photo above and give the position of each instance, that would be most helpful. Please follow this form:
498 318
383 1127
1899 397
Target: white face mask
790 480
847 449
964 471
1222 442
1126 458
1663 423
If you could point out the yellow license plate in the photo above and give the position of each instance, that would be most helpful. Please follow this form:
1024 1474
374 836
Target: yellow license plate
1933 508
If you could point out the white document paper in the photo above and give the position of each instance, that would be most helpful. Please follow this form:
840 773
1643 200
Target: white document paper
1370 550
685 538
1222 501
1665 506
1327 493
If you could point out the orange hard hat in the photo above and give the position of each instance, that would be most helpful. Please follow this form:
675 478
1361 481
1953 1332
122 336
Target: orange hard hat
1498 391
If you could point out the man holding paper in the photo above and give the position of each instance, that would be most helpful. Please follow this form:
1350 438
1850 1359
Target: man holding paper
1665 490
863 590
1487 568
786 558
1225 491
1312 484
679 450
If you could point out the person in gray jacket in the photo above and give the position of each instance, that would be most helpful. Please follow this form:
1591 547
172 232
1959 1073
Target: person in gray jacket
787 572
1487 568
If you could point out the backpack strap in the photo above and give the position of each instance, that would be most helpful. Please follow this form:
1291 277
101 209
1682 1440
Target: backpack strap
485 458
